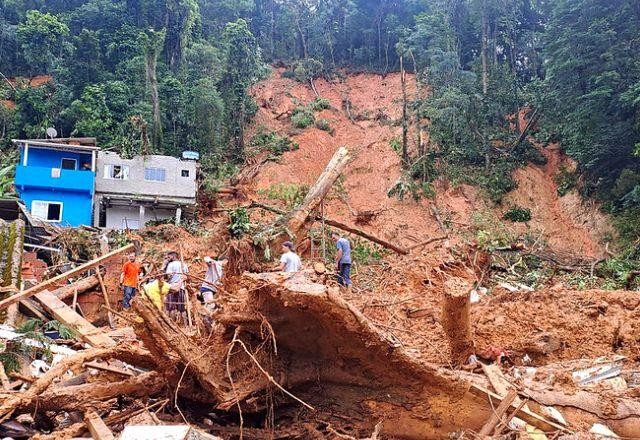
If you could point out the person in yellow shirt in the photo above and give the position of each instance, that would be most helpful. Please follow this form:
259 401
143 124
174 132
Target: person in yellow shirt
157 290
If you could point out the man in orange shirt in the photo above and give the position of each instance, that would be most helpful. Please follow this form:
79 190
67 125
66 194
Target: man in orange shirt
129 279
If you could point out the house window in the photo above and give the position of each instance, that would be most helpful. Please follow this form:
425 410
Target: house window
185 173
68 164
118 172
155 174
49 211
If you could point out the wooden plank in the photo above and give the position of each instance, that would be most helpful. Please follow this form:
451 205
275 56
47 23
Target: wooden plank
98 429
106 297
45 285
32 308
497 415
498 381
106 367
527 415
66 315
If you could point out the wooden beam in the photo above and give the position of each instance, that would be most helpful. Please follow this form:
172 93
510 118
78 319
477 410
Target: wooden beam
106 367
98 429
528 416
103 288
497 415
45 285
66 315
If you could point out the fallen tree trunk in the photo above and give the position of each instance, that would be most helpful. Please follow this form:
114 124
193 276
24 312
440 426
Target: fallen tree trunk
347 228
456 321
18 401
293 225
90 395
361 233
82 285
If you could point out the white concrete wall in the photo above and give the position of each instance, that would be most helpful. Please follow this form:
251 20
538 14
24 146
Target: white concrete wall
174 186
117 214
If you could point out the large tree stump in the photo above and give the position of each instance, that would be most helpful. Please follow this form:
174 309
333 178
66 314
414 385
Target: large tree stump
455 319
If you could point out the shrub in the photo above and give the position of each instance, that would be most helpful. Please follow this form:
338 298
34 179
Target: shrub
270 141
517 214
323 124
497 184
566 180
291 194
289 74
319 104
302 118
239 222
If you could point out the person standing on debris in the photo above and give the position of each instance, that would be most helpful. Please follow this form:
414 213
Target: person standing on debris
175 271
289 261
129 280
343 259
211 278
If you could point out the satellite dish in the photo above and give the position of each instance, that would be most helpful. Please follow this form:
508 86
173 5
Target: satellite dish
52 132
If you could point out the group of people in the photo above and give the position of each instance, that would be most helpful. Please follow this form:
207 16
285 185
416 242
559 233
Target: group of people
167 289
291 262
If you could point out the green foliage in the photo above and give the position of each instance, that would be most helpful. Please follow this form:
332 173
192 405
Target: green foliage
406 186
290 193
517 214
265 140
566 180
498 182
307 69
6 181
490 232
239 222
319 104
396 145
302 118
41 37
324 125
364 253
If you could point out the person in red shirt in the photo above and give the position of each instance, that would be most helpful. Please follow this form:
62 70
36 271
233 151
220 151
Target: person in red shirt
129 279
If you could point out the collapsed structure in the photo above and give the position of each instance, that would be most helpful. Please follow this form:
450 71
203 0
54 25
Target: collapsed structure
286 355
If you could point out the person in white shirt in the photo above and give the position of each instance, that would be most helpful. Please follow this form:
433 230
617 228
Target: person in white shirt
289 261
175 271
212 278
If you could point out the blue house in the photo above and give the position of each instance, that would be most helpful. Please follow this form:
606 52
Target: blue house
55 179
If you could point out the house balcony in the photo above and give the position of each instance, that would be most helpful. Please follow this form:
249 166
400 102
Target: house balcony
54 179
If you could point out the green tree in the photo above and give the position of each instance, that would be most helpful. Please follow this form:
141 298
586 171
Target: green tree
152 42
243 67
41 39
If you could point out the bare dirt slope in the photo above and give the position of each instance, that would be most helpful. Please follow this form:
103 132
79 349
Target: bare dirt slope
375 104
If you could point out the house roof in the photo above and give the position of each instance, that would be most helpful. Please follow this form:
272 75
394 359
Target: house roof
55 145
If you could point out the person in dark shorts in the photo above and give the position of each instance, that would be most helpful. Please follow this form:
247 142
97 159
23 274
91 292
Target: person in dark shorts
343 260
175 271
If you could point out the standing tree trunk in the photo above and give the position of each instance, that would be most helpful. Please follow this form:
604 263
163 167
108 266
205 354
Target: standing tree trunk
455 319
405 116
153 43
485 48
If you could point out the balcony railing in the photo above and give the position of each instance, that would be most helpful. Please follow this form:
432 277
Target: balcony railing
54 178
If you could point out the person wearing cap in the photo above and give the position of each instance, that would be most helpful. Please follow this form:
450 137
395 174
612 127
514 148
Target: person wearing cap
289 261
211 278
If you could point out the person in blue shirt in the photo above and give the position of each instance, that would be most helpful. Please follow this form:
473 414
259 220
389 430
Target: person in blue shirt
343 259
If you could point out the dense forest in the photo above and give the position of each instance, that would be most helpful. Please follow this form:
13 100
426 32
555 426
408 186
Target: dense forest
167 75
